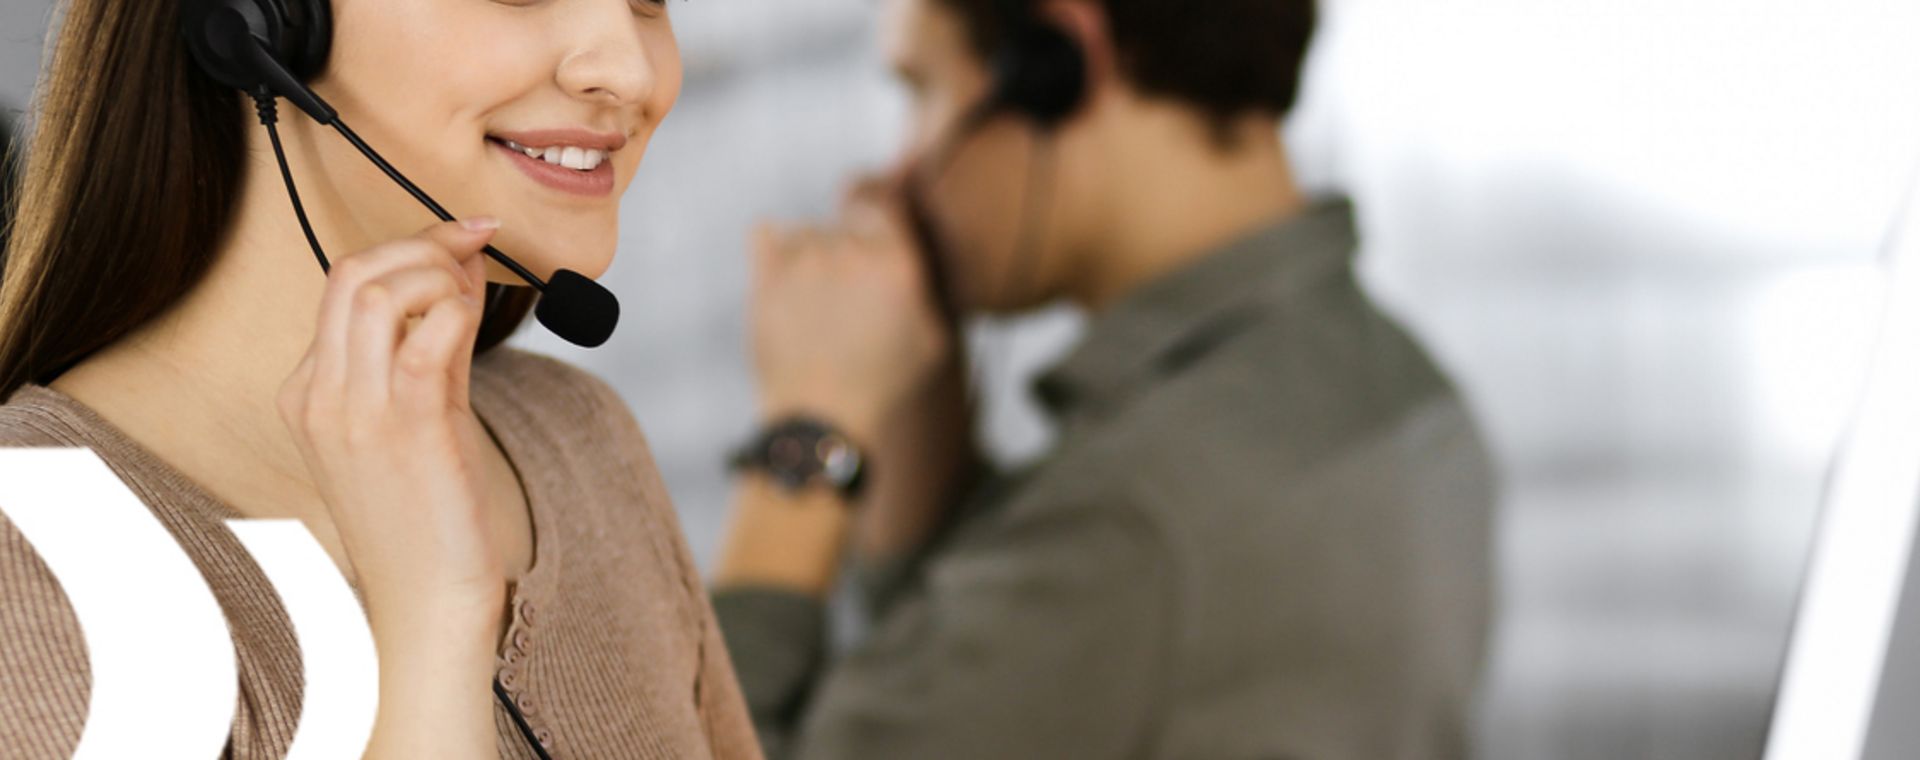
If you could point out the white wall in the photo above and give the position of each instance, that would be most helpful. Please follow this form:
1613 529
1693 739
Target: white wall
1642 233
22 22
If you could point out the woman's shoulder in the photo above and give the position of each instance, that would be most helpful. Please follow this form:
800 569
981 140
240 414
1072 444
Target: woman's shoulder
541 378
551 392
38 417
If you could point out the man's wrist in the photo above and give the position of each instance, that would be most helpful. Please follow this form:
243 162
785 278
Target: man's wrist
784 540
802 452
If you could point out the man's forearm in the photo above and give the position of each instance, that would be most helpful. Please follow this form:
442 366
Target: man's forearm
779 564
783 541
919 454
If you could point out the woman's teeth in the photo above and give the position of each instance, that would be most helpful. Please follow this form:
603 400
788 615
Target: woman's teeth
577 159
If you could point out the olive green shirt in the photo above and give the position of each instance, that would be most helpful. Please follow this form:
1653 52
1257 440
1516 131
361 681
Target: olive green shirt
1263 534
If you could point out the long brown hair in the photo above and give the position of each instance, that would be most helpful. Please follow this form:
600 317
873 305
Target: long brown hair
129 182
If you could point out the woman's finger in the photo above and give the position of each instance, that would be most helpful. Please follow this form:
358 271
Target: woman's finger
381 311
465 243
476 304
463 239
349 275
422 367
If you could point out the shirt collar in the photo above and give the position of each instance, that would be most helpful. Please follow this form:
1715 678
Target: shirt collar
1172 320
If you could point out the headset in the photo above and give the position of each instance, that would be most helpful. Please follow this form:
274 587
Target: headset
1038 73
270 49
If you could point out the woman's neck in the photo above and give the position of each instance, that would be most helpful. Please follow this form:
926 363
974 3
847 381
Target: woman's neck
199 384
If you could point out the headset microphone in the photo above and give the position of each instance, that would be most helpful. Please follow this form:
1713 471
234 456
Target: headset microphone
267 48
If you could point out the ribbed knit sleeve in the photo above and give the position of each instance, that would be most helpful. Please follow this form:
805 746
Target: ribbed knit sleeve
44 680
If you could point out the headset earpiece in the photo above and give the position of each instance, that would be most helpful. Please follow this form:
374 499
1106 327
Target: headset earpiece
209 27
298 33
1041 71
310 36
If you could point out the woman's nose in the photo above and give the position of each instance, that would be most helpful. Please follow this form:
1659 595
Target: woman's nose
612 63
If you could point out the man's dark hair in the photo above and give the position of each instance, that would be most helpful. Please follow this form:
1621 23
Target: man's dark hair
1228 58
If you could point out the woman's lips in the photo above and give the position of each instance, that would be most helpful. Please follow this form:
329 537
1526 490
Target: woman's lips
593 183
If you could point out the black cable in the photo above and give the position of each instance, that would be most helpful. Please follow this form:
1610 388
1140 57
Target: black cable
1035 213
427 200
268 108
520 720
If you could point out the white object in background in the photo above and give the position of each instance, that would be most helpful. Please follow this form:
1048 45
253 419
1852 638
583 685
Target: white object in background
1851 597
164 682
336 646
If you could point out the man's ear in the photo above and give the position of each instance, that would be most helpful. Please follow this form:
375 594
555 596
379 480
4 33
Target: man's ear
1087 23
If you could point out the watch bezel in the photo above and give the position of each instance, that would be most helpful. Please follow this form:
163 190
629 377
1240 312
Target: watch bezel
801 452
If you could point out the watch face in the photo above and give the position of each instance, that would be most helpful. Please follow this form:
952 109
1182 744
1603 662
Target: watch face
800 453
790 459
789 453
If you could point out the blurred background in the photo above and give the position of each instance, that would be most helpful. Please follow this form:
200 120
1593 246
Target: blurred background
1642 235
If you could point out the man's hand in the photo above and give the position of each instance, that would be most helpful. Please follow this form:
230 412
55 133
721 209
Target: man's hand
844 325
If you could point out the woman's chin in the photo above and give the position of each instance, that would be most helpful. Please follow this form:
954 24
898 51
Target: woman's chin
589 256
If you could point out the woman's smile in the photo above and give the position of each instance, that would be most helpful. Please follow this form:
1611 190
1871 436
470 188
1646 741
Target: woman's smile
573 161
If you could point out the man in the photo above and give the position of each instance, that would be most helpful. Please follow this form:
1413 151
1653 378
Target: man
1264 530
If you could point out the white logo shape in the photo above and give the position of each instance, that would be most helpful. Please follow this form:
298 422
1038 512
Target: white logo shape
164 683
342 672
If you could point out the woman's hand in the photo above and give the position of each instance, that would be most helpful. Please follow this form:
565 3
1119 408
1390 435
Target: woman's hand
379 410
844 325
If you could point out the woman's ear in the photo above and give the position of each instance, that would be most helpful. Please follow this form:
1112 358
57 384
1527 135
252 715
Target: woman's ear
1087 23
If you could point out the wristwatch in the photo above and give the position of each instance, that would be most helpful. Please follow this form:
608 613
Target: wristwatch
802 452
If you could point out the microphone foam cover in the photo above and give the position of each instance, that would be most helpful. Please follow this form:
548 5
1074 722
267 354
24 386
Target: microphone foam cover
577 309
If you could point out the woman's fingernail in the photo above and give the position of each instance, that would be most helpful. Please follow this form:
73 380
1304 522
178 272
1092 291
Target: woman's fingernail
480 224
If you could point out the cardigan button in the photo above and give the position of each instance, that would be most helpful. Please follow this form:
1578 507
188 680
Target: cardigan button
526 611
525 702
523 641
509 679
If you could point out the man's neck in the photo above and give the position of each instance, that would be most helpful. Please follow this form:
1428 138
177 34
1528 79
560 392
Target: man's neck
1178 201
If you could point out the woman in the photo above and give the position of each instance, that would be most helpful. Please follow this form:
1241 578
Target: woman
497 512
